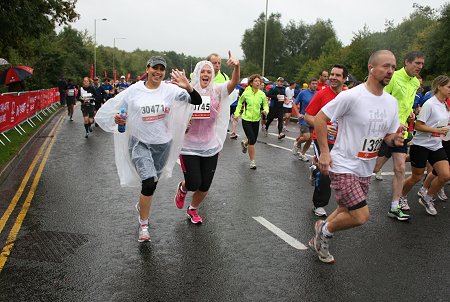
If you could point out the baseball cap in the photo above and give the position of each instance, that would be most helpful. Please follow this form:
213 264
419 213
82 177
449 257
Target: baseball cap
96 78
280 79
155 60
122 77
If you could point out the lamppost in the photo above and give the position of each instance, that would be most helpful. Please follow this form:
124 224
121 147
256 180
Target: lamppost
114 51
95 44
265 36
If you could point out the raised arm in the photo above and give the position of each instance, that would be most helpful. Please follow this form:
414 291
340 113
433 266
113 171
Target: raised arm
236 75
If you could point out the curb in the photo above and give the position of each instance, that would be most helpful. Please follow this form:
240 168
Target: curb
4 173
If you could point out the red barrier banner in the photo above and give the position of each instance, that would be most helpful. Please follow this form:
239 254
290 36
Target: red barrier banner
5 113
16 108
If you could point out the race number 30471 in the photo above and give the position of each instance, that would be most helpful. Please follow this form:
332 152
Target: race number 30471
152 113
369 147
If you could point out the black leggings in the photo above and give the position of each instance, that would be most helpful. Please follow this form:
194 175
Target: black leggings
275 112
198 171
251 130
322 193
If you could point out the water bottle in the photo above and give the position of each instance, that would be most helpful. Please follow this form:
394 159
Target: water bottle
335 125
317 180
123 115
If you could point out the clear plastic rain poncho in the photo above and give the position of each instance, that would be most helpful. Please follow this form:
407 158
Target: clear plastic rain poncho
155 116
208 128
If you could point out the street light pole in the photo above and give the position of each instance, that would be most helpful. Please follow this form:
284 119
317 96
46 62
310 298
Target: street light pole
114 51
95 44
265 36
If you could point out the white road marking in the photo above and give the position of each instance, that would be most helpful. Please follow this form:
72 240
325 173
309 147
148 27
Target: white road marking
287 238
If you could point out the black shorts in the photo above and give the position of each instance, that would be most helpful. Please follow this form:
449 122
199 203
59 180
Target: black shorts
387 151
70 100
232 109
287 110
420 155
87 110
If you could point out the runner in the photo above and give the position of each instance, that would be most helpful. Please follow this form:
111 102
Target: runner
206 134
426 145
322 191
86 95
157 118
403 86
71 95
367 115
250 104
302 101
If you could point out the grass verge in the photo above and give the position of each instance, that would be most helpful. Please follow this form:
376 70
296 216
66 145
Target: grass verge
11 149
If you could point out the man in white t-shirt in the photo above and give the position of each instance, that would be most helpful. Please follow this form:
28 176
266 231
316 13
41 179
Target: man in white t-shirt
287 105
367 116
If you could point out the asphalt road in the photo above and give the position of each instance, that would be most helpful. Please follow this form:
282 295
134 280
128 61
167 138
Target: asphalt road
68 232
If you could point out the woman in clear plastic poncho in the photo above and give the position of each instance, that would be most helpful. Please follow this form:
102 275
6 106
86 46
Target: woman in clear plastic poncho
157 116
206 134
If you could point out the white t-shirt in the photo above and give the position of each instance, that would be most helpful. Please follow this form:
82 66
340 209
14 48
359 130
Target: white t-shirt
433 114
147 110
290 97
363 119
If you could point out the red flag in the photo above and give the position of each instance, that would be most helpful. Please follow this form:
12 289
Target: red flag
128 77
92 71
104 73
115 75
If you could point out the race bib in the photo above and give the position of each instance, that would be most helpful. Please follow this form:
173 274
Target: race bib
439 124
152 113
202 111
369 147
71 92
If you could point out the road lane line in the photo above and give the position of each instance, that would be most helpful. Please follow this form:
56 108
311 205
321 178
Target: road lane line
287 238
279 147
6 251
19 192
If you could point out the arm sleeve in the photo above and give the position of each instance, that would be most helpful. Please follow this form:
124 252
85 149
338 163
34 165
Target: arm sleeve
196 99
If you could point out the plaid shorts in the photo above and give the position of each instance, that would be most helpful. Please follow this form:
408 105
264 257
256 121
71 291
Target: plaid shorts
350 190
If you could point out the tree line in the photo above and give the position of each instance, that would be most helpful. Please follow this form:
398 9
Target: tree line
297 51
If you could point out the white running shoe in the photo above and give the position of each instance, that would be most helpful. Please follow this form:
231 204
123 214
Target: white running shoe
295 149
144 235
303 157
319 211
441 194
378 175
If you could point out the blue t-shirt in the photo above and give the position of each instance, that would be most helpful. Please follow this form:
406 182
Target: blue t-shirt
425 98
303 98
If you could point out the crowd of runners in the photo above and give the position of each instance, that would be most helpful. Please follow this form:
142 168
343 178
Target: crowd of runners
354 129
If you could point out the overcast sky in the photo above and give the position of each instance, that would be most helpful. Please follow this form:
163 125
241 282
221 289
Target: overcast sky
199 27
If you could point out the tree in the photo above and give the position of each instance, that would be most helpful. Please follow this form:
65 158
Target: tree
436 46
21 20
253 42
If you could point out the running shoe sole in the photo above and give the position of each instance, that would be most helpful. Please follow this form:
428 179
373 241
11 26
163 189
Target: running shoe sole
391 215
194 222
328 260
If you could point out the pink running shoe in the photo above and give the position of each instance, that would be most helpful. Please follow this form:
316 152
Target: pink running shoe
180 197
193 215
